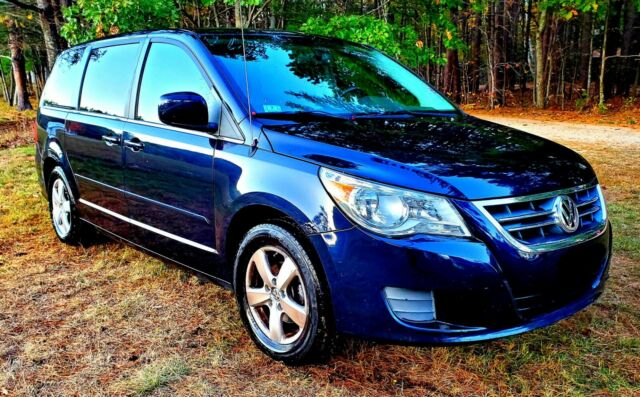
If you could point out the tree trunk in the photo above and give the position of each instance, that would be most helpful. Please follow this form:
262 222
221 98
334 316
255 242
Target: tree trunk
59 19
18 67
47 16
452 69
540 59
238 14
452 75
497 51
631 28
586 41
474 62
491 79
613 31
526 61
49 31
604 59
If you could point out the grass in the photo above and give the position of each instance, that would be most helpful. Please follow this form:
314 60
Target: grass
107 320
155 376
15 126
627 229
11 114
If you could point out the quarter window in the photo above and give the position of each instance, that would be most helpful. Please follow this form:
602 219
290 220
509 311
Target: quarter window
63 85
170 69
107 81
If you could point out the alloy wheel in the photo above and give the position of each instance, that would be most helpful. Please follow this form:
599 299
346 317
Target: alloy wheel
276 297
61 208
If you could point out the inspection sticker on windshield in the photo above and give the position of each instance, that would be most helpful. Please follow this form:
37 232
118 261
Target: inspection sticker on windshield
271 108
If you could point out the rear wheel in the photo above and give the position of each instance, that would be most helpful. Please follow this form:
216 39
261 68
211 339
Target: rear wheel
62 208
281 299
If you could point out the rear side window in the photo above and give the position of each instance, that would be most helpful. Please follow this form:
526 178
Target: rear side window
63 84
170 69
107 81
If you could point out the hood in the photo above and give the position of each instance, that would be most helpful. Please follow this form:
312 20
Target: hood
463 157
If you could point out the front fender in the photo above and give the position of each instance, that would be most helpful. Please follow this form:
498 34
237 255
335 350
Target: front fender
265 178
317 224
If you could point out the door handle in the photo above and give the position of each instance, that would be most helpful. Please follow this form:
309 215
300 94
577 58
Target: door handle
111 140
134 144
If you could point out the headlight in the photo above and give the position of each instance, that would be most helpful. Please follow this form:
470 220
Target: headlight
392 211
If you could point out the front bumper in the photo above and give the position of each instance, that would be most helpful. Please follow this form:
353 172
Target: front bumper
481 291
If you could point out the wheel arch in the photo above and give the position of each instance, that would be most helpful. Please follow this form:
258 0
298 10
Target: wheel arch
251 215
47 168
256 213
54 156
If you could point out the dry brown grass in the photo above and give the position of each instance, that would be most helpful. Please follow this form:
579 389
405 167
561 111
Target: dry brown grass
108 320
627 116
15 127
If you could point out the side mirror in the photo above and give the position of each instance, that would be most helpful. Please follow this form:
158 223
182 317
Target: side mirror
185 110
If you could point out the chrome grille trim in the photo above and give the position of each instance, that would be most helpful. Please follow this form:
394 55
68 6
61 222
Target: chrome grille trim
524 216
590 201
531 226
516 228
590 211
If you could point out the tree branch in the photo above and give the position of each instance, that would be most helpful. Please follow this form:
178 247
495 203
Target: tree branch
25 6
623 56
255 15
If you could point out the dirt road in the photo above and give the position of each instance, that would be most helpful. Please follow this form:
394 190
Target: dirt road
568 131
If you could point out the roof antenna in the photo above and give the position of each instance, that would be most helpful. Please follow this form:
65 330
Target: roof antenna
246 78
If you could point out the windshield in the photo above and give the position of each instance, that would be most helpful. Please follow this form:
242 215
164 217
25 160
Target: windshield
305 74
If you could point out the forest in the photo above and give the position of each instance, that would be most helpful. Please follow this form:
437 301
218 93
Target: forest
560 54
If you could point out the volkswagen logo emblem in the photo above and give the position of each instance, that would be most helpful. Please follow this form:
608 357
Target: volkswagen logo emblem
565 212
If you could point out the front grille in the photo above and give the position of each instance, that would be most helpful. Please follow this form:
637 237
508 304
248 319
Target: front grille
532 222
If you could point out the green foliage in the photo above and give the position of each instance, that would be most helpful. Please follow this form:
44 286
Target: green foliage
243 2
602 108
90 19
582 102
402 43
568 9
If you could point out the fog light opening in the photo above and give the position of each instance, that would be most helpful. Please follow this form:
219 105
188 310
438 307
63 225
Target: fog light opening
411 305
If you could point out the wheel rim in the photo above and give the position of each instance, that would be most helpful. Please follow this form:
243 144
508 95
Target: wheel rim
276 298
61 208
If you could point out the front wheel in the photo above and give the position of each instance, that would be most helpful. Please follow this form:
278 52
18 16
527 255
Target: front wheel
281 299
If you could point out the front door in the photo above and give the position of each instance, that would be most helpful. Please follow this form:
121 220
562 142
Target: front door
168 170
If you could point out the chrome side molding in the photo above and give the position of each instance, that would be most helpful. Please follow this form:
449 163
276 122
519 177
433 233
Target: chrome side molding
148 227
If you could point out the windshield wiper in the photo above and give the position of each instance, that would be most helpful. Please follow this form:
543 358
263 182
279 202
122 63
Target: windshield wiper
412 113
301 115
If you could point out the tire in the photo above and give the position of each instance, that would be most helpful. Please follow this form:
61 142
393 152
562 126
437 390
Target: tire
299 303
62 209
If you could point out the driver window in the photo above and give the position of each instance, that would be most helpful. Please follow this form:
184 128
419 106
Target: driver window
169 69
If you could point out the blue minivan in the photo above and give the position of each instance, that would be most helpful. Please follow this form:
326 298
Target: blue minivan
333 190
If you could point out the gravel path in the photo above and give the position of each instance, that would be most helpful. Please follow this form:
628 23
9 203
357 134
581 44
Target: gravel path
567 131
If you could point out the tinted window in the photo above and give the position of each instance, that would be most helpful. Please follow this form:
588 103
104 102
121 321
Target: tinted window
64 82
288 74
108 79
169 69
